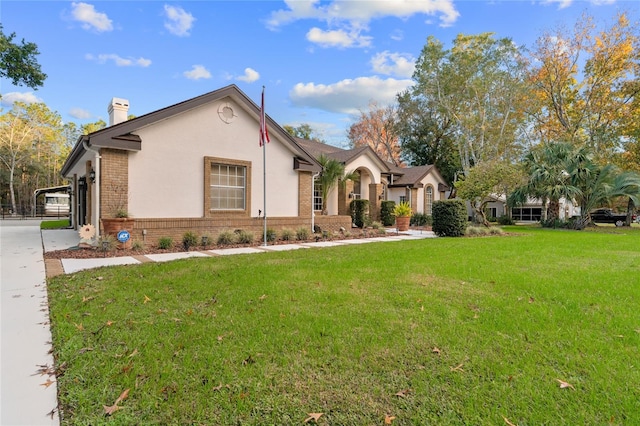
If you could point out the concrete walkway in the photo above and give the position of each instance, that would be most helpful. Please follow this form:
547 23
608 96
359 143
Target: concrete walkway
62 239
28 392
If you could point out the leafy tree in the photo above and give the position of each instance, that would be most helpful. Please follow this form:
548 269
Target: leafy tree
426 137
478 89
377 128
303 131
332 173
30 147
93 127
490 178
18 62
594 111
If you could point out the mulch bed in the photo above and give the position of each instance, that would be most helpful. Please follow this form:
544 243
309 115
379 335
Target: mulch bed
91 253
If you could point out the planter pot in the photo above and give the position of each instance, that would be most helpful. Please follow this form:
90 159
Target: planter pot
402 223
114 226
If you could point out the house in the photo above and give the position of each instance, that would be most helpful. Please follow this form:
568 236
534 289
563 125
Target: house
378 180
197 167
530 211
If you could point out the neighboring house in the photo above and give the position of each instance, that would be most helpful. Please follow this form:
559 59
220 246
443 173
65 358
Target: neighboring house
195 166
531 211
378 181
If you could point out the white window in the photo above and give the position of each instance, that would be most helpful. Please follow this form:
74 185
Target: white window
428 200
228 186
317 195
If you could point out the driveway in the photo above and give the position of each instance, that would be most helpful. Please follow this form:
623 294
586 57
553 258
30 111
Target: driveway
27 391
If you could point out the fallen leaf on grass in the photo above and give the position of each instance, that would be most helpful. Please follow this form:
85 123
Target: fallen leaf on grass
47 383
435 350
313 416
112 409
564 384
403 393
146 299
506 420
457 368
134 353
531 300
389 419
264 296
110 323
79 326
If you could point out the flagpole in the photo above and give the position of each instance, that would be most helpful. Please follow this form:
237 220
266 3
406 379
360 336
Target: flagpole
264 138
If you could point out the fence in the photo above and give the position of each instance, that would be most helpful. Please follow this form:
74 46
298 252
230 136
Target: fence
26 212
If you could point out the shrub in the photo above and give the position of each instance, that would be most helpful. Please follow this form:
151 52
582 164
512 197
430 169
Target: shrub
376 225
226 238
137 245
165 243
189 239
449 218
494 230
506 220
287 235
107 243
246 237
359 212
271 235
403 209
421 219
302 234
386 213
476 230
206 240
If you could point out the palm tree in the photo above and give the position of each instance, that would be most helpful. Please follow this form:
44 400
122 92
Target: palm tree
332 173
549 180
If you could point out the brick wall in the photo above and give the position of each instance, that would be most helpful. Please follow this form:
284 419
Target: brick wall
114 182
305 191
154 228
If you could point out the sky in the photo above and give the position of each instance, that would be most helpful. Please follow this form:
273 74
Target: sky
320 62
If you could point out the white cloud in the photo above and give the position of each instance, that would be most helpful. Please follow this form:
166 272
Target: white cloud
179 21
86 13
250 75
339 38
80 114
397 35
8 99
197 72
562 4
398 64
362 11
118 60
348 96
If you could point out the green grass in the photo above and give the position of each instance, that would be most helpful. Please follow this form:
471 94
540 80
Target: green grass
54 224
265 339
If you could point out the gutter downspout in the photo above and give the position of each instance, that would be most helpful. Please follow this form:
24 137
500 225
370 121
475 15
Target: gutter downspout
313 212
96 168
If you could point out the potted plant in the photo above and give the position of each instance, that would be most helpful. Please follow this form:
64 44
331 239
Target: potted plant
402 212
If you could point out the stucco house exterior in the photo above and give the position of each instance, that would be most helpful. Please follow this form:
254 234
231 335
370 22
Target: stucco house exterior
197 166
420 186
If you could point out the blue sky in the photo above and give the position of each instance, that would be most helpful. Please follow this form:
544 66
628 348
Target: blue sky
320 61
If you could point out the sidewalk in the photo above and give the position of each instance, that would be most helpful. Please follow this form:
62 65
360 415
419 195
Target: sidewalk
28 392
62 239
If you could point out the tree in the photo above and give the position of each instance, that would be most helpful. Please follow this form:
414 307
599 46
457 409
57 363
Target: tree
303 131
18 62
425 137
377 128
548 179
490 178
478 88
332 173
30 141
594 111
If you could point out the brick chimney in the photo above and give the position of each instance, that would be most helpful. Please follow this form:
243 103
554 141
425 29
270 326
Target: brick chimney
117 110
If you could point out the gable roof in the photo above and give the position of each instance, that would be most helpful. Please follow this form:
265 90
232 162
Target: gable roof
344 156
121 136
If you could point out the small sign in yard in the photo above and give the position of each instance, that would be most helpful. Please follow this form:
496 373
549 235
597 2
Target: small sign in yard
123 236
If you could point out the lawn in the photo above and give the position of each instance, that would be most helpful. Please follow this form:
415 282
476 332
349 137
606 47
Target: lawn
536 328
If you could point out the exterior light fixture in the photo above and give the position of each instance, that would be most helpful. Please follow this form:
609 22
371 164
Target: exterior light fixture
92 175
